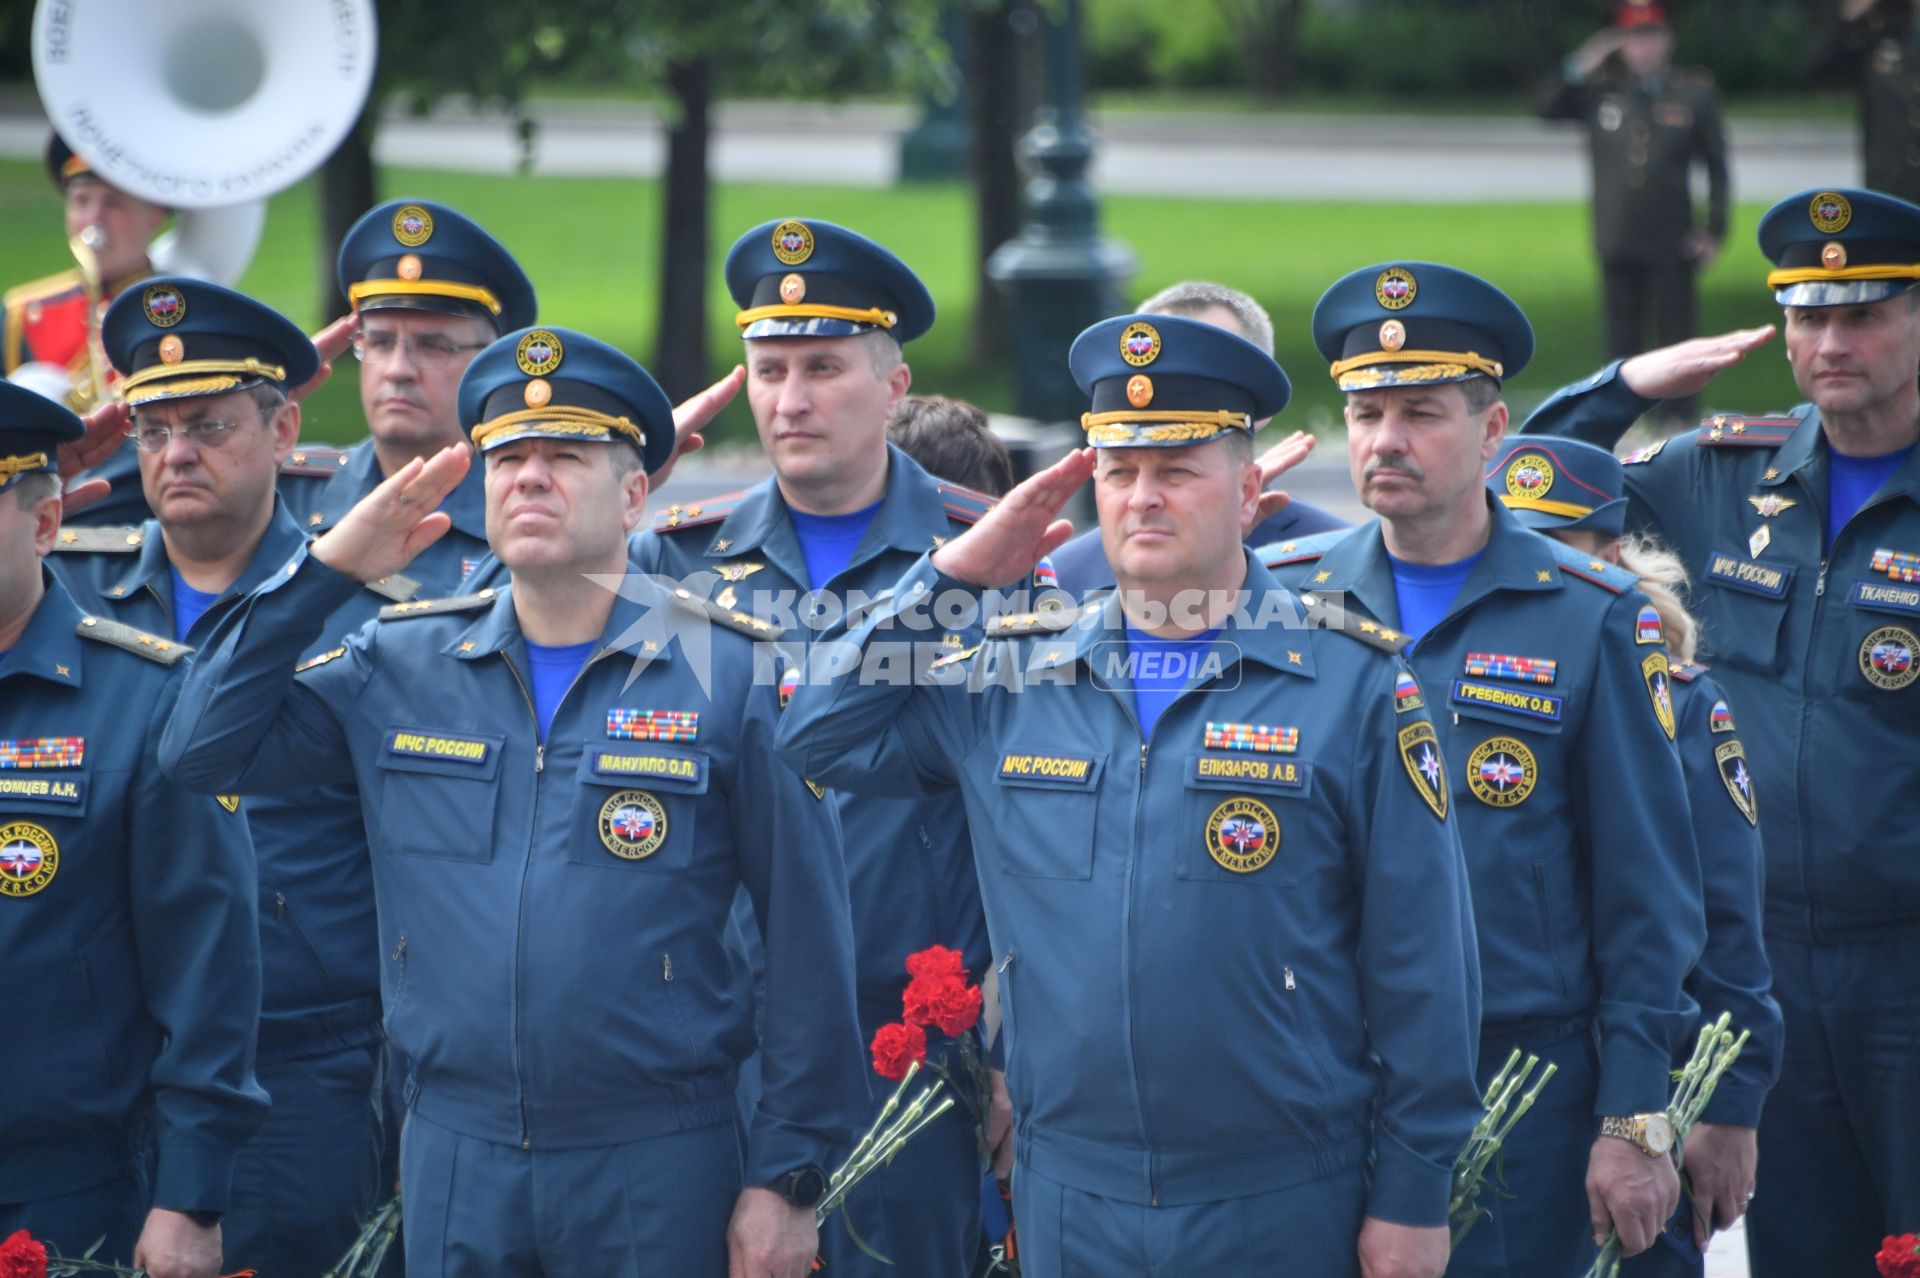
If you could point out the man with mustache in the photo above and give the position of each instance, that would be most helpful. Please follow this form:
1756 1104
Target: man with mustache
1802 531
1559 736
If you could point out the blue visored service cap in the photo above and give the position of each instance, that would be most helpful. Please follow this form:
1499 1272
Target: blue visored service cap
32 428
555 383
1840 247
417 255
1162 381
1553 483
806 278
177 338
1418 324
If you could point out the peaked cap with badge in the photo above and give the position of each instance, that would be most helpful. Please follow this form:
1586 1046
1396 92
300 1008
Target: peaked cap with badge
1840 247
795 278
417 255
1163 381
32 428
180 338
1418 324
1558 484
555 383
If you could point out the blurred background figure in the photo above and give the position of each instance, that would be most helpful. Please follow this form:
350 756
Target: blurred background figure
1648 123
951 440
1874 47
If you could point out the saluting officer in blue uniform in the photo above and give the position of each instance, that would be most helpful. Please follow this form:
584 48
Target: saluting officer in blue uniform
566 783
1588 513
1227 902
1558 730
1802 532
431 288
207 374
126 917
824 314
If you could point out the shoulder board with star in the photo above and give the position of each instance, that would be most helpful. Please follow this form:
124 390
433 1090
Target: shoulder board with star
1686 672
1728 431
1041 621
700 513
1598 571
1300 550
317 462
965 505
396 587
321 658
106 540
1322 616
727 618
44 289
434 607
133 639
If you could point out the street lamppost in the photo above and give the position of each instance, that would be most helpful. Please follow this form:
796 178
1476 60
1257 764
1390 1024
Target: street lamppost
1058 275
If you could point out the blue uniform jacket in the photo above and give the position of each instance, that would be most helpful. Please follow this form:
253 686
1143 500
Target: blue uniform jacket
1222 972
908 861
126 924
1792 629
319 948
1586 886
321 484
553 916
1733 974
1082 568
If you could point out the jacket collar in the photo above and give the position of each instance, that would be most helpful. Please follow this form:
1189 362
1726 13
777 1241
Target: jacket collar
151 567
49 648
644 622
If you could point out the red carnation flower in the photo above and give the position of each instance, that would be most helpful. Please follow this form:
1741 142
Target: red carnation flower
1899 1257
22 1257
895 1047
951 1004
936 961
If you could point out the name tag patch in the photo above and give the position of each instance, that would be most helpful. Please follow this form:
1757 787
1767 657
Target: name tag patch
1076 769
1288 773
1868 594
43 752
653 725
1535 705
1755 576
49 789
424 745
670 767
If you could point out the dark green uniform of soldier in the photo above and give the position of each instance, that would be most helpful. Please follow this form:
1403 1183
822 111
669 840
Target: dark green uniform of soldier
1875 47
1648 122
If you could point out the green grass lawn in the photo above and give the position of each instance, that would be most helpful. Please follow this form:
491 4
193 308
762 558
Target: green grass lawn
592 248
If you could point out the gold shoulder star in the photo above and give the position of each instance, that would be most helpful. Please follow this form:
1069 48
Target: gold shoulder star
467 646
69 537
1597 566
1053 655
1391 636
146 641
1369 628
1320 578
1544 575
1293 658
1287 548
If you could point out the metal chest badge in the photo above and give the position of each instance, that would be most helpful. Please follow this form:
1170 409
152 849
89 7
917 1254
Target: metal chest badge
29 858
1886 658
1660 688
1732 761
1420 753
1242 834
633 825
1501 772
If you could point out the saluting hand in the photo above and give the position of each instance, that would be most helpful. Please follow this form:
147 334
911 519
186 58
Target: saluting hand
106 430
1273 463
396 521
1021 530
693 416
332 342
1685 368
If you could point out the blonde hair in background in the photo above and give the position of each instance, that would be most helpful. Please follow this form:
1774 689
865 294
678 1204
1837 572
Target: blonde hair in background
1662 578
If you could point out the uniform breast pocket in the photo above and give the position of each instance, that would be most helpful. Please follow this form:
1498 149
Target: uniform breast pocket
1743 611
437 794
638 807
1235 814
1046 806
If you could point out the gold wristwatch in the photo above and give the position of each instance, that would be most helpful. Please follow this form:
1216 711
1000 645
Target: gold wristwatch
1653 1133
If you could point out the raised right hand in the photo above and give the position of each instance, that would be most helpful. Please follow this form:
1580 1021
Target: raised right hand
1021 530
1685 368
396 521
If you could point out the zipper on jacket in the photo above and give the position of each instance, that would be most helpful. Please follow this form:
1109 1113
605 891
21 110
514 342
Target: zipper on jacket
1005 963
1126 968
1820 582
666 967
280 907
1286 974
